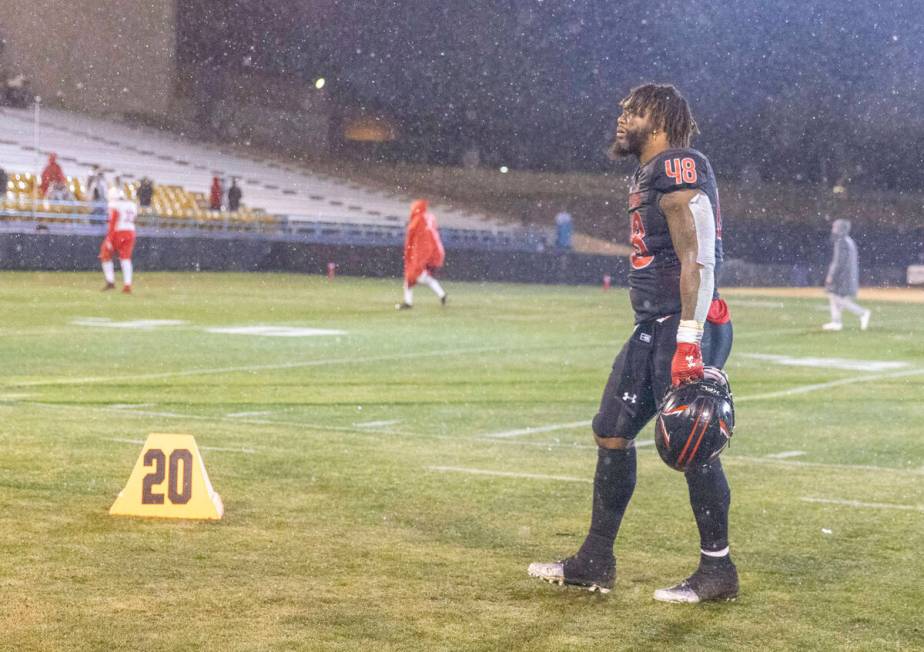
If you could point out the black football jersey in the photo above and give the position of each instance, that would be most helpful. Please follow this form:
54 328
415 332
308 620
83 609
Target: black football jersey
654 269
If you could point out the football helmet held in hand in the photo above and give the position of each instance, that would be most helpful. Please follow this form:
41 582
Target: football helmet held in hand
695 421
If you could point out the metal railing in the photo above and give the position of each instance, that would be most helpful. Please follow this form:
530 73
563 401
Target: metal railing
89 218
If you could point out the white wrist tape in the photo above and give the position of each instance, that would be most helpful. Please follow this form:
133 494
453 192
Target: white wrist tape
690 331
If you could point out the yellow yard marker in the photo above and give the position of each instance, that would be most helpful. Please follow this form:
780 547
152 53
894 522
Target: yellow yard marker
169 481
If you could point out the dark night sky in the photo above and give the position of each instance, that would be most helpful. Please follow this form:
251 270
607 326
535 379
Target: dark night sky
799 88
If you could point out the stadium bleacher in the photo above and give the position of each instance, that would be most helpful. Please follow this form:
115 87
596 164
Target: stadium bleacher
182 171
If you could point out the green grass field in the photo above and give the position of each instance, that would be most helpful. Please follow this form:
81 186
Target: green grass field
378 496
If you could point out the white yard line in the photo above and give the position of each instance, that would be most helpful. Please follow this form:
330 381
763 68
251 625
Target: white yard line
857 503
796 464
252 368
246 451
193 417
314 426
746 335
729 458
534 429
377 424
801 389
274 331
121 440
137 324
785 454
509 434
140 442
755 303
845 364
242 415
806 389
506 474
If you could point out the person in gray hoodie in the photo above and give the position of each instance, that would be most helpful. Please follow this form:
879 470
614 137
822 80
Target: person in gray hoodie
843 280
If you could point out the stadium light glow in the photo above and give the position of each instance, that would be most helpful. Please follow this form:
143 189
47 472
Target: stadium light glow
504 169
319 83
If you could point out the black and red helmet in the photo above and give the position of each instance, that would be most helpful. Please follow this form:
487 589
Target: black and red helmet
696 421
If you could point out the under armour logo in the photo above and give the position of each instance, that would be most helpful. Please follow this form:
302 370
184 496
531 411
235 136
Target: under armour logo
628 398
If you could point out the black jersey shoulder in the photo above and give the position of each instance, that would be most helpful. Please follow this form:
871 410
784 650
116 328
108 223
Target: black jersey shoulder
682 168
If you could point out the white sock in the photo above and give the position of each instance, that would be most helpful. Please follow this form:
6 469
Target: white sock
126 266
408 295
835 304
433 283
109 271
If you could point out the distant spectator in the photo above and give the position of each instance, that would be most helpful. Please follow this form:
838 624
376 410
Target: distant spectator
97 188
234 196
215 194
563 231
58 191
843 280
4 184
145 192
51 174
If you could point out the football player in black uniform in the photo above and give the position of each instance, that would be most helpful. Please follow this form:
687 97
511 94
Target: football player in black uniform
673 204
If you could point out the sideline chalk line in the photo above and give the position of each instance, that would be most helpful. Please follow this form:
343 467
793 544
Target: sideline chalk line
506 474
857 503
266 367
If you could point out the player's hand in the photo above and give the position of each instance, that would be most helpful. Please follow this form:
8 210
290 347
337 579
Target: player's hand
687 364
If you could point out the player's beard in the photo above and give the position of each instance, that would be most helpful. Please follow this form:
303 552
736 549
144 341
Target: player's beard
632 146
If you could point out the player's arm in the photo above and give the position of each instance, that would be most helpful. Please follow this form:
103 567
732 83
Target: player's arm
691 223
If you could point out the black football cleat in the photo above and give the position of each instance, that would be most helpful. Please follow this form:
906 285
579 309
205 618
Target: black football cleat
403 306
107 287
443 299
713 582
587 573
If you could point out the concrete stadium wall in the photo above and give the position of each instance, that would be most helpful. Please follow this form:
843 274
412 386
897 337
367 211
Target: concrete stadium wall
45 251
99 56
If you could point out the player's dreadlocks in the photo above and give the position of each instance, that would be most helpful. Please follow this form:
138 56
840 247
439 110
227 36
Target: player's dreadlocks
667 109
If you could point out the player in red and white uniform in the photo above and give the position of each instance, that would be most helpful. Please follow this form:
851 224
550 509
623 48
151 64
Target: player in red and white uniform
120 239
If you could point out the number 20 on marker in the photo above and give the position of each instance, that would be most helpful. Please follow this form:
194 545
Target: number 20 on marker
169 481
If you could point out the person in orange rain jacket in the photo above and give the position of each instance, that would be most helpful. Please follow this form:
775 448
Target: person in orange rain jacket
52 175
423 254
215 194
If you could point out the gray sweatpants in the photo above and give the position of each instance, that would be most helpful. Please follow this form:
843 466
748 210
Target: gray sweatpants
839 304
